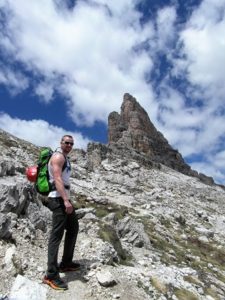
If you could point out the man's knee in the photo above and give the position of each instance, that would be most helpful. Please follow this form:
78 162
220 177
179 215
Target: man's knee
73 227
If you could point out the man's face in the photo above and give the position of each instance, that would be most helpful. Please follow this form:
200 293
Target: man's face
67 144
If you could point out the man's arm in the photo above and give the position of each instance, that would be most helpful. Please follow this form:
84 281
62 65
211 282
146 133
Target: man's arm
57 162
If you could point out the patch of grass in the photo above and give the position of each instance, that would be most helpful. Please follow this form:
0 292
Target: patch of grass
140 285
183 294
9 143
107 233
208 252
212 293
221 277
190 252
102 210
80 200
159 285
165 222
164 244
192 280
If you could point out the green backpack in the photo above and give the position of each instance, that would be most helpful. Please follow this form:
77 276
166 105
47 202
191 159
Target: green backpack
43 185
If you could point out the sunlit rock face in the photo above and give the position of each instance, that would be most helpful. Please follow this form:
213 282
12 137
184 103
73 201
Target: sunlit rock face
134 129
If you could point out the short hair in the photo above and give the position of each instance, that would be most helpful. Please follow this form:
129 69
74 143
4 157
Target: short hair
66 135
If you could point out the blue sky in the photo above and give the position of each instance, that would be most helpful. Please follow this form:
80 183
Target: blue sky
65 65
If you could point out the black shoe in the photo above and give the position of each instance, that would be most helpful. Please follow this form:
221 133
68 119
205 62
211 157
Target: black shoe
55 283
69 267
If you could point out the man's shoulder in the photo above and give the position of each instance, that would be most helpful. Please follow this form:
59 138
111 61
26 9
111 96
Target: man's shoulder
58 156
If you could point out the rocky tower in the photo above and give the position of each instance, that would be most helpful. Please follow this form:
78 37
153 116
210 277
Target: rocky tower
134 129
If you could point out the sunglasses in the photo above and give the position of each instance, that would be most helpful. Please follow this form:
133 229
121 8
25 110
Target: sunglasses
68 143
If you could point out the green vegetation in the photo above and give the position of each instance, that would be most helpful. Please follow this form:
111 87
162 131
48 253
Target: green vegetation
8 142
140 285
209 253
108 234
212 293
166 239
193 280
192 252
166 222
159 285
101 210
183 294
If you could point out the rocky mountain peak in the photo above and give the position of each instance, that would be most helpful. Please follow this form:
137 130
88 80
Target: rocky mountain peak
146 230
134 129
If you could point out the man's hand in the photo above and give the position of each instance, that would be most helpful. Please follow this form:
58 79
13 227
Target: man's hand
68 206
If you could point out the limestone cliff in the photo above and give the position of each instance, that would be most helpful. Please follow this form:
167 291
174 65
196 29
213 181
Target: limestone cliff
134 129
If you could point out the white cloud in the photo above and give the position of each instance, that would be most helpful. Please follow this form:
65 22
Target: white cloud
39 132
211 168
193 117
203 46
14 80
92 49
212 164
166 30
220 157
191 129
45 91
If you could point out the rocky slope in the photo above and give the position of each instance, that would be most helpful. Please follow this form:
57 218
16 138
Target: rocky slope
147 231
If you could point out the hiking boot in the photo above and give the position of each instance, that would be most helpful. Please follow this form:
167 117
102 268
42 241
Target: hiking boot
56 283
69 267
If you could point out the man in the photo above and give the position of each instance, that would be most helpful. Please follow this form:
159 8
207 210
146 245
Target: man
63 217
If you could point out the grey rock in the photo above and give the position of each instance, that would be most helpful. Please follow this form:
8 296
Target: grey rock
133 232
25 289
133 129
81 212
35 215
5 226
7 168
106 279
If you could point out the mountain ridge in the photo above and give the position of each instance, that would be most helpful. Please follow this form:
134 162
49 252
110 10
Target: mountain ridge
147 231
133 128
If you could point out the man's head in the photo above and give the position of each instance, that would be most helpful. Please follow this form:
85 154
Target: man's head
67 143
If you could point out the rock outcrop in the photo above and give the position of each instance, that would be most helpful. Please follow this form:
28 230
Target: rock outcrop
146 230
134 129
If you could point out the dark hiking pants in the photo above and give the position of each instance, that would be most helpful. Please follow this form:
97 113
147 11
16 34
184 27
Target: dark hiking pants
61 221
